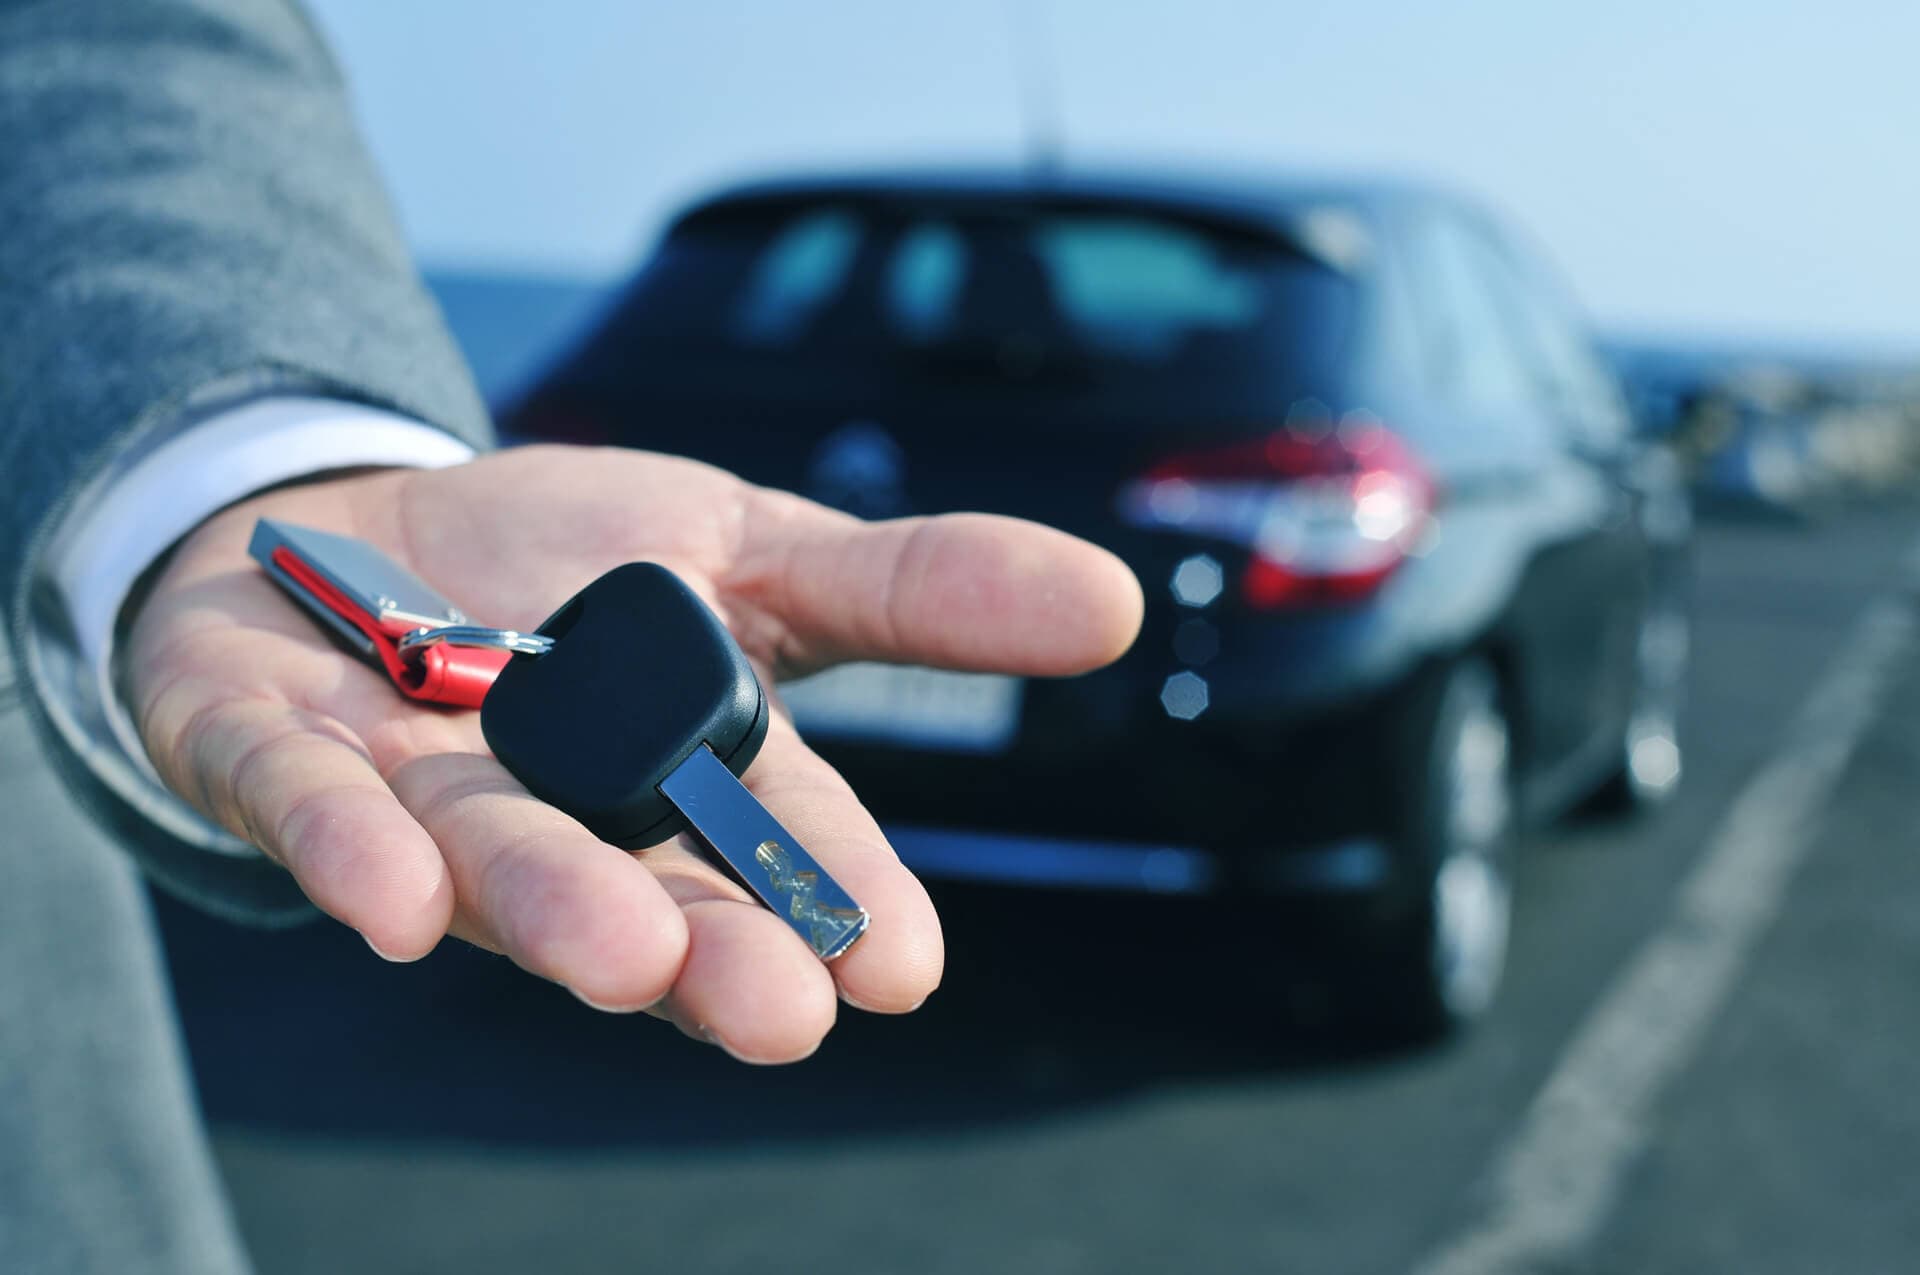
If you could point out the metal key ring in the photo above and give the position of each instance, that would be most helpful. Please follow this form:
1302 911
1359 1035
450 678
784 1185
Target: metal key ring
413 644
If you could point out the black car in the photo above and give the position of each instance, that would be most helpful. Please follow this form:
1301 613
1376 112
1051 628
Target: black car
1411 577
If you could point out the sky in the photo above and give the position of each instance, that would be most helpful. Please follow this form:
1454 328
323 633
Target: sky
1705 171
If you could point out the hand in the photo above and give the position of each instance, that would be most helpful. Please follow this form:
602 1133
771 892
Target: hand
394 818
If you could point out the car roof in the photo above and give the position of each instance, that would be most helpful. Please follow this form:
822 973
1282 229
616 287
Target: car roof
1251 197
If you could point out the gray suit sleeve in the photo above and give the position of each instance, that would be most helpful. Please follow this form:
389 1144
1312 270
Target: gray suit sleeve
188 218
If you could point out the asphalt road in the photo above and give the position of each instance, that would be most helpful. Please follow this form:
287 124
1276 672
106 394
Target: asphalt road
1117 1086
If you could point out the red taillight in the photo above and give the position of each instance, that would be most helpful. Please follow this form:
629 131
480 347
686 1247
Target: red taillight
1328 513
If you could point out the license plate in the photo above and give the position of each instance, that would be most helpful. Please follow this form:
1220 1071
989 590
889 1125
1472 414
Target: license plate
910 706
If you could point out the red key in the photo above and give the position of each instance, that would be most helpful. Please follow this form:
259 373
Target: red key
376 605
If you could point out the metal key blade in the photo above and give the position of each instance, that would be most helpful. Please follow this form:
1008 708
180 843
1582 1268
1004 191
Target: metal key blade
764 855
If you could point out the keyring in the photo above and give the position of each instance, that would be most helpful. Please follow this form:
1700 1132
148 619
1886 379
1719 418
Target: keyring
415 644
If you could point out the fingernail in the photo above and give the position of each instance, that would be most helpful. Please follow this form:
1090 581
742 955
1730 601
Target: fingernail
739 1057
590 1003
389 956
868 1009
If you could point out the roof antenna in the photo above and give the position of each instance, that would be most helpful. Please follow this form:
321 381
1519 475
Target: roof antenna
1033 76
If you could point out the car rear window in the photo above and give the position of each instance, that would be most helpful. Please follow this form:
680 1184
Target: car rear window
1071 300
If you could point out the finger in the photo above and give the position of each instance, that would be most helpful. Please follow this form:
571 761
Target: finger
898 962
301 786
535 885
749 985
752 985
962 591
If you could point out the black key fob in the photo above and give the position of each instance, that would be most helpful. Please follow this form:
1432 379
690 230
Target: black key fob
641 674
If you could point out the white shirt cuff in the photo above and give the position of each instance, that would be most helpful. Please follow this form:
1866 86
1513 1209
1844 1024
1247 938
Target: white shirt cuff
114 533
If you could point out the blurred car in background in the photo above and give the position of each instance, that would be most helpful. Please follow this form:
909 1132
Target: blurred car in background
1777 431
1412 579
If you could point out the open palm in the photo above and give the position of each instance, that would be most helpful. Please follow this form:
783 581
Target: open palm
396 820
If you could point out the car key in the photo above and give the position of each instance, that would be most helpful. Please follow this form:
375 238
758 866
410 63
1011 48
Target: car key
632 708
373 603
639 721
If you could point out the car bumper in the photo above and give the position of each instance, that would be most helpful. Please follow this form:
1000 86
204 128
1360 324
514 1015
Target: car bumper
1355 866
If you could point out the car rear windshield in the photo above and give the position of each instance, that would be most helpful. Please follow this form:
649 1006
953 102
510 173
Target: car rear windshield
1091 302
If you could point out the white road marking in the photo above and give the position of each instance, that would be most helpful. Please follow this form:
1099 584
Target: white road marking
1556 1181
